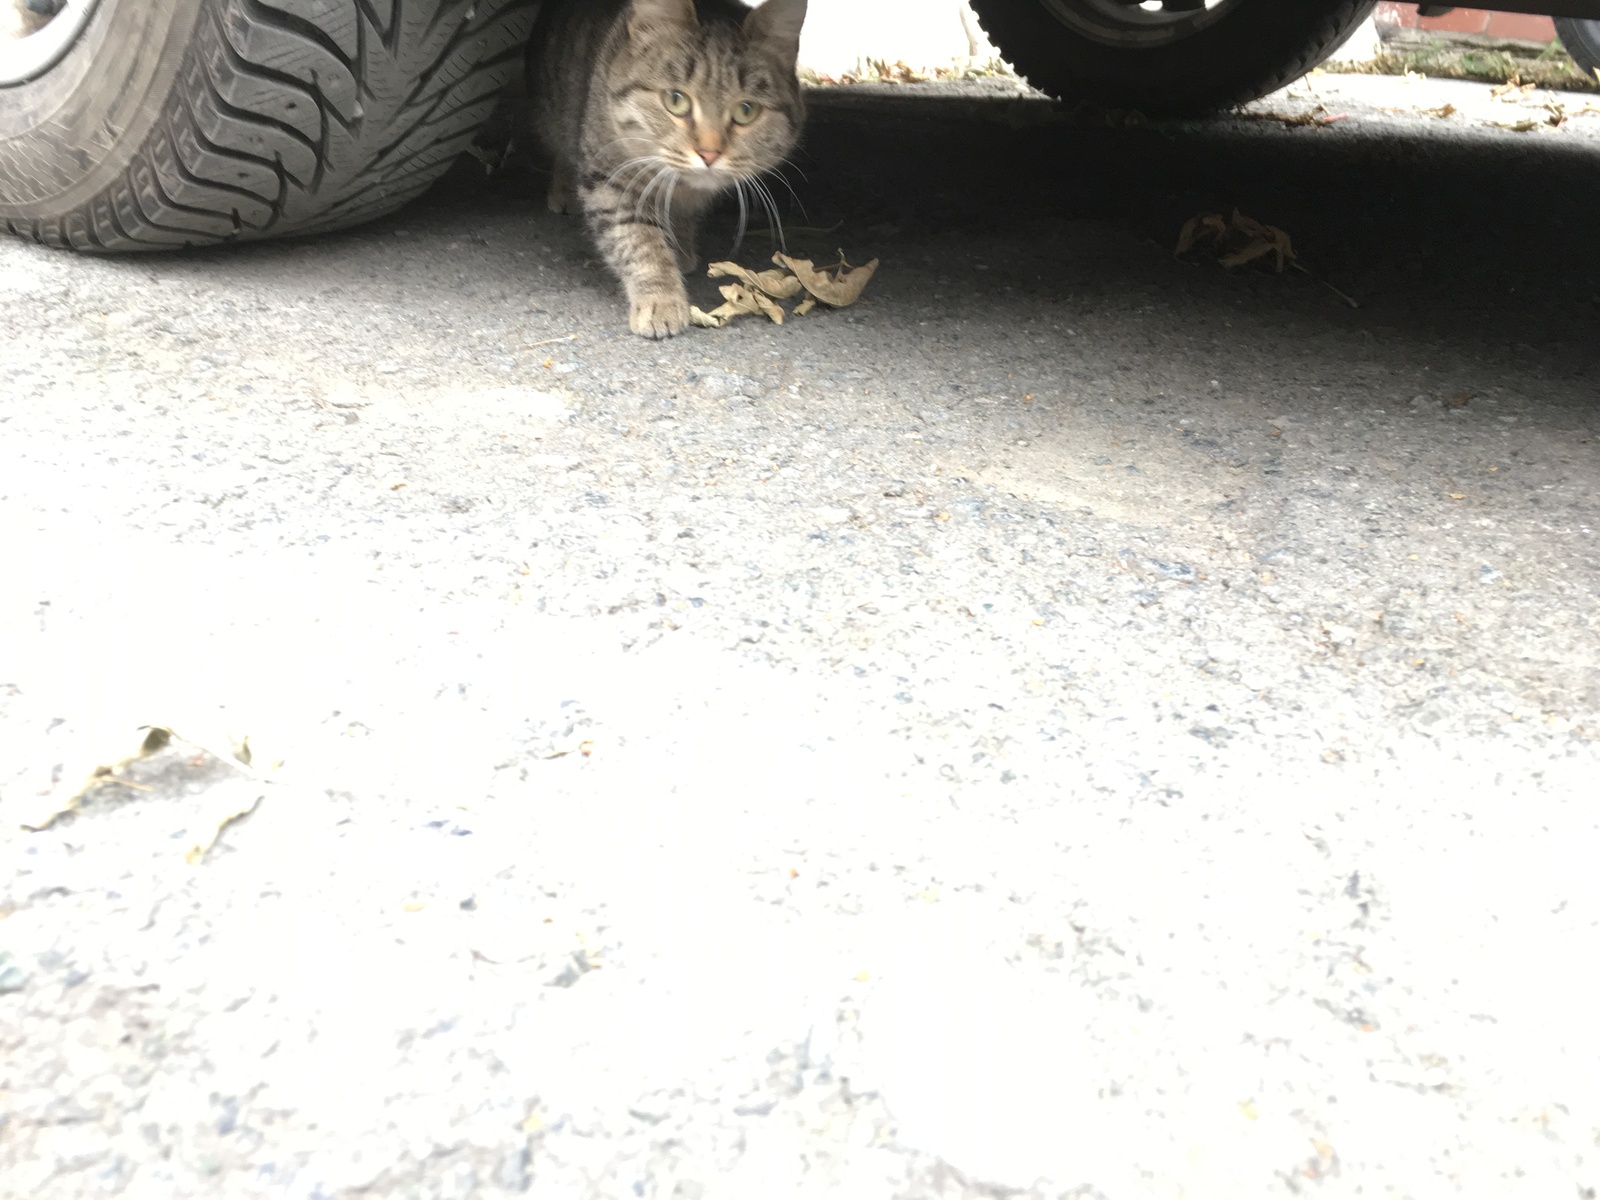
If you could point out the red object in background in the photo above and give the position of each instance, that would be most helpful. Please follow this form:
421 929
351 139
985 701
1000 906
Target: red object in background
1521 26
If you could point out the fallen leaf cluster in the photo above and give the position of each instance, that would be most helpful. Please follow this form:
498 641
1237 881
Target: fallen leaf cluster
222 804
879 70
1236 240
1239 239
1512 89
756 293
1317 118
1555 117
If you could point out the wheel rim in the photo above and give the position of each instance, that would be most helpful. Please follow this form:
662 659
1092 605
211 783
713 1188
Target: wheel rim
1132 24
24 59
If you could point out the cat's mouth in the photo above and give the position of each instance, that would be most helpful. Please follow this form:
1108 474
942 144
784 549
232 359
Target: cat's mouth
711 177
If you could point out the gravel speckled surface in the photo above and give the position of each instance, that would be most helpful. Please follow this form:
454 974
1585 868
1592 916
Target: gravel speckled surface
1079 724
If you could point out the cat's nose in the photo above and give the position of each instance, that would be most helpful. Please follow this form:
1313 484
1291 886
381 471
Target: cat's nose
709 156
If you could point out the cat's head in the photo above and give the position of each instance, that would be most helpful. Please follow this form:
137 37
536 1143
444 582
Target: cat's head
716 99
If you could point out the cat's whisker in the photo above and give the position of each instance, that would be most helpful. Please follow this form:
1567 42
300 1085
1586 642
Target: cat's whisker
642 201
799 203
774 221
789 162
633 165
642 195
744 218
651 203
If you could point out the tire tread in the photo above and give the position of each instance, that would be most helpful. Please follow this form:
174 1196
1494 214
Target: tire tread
302 116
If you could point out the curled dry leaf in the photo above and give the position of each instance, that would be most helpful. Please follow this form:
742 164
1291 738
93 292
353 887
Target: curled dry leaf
227 803
840 289
1264 240
1512 90
738 301
741 299
1241 239
757 292
1258 240
1318 118
156 739
1207 227
777 284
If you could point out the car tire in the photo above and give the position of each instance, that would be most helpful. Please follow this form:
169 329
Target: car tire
189 122
1179 63
1582 41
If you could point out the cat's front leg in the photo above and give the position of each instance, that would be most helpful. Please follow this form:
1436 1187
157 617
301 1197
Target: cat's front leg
638 249
658 311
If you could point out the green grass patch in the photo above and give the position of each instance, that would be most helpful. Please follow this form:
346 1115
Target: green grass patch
1550 67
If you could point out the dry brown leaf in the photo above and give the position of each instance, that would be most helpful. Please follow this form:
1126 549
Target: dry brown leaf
750 300
1207 227
1259 248
838 290
1264 240
1516 126
1317 118
777 284
1260 239
106 773
1444 110
738 301
1277 240
1512 90
805 306
226 803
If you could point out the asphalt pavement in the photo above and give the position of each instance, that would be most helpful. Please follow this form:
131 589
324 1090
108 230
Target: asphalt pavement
1079 722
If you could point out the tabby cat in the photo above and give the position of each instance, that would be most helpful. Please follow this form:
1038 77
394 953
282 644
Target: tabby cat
650 109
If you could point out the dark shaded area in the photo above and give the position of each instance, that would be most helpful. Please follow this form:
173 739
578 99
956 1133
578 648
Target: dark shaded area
1448 239
1487 241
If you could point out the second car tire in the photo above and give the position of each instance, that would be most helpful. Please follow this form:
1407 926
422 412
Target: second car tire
1246 50
188 122
1581 40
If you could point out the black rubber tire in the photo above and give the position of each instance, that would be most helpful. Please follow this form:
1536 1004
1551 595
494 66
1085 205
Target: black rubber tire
1256 48
1581 40
190 122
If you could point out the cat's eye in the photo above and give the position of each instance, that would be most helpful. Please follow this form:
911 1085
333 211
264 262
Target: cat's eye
745 111
678 103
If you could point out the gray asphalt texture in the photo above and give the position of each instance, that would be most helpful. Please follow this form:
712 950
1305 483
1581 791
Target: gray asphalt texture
1078 723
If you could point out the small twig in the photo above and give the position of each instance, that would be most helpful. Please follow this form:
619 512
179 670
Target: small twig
1350 300
571 337
101 780
796 231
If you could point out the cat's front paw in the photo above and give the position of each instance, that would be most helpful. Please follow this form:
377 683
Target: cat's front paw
659 316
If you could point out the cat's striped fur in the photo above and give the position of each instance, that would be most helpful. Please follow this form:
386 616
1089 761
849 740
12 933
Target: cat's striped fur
645 108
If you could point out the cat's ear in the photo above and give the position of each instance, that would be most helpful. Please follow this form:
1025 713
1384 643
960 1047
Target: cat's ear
777 23
646 15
